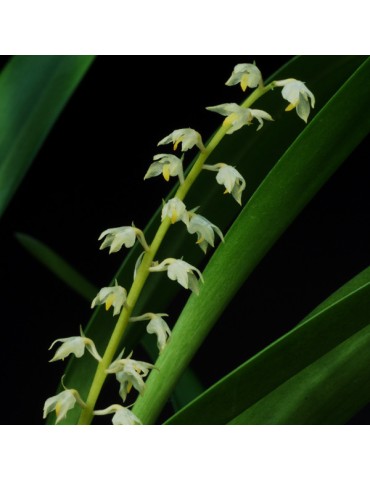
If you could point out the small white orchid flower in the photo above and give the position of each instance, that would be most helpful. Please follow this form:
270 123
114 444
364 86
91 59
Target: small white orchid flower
247 74
180 271
129 373
62 403
116 237
204 229
187 136
174 209
75 345
122 415
230 178
166 165
157 326
237 116
298 96
115 296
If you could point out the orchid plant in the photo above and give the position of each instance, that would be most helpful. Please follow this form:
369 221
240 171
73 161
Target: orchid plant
131 373
143 387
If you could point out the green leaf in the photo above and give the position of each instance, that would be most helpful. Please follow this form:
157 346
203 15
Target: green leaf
58 266
329 391
33 92
288 359
254 154
306 165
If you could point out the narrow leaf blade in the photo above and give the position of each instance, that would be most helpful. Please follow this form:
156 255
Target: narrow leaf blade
340 317
33 91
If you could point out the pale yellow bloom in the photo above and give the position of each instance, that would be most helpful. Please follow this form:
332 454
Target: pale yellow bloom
186 136
115 296
298 96
247 74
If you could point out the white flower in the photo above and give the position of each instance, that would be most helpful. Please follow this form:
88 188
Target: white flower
247 74
115 296
116 237
129 372
237 116
187 136
122 415
174 209
204 229
157 326
166 165
62 403
298 96
230 178
74 345
180 271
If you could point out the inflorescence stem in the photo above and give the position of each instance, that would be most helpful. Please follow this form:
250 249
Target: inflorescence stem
143 271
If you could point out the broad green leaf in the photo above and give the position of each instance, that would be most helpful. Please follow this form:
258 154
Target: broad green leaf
33 91
306 165
254 154
333 322
58 266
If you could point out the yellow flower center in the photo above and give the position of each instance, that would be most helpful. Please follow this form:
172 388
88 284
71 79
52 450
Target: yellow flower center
291 106
174 216
179 140
109 301
244 82
166 172
230 119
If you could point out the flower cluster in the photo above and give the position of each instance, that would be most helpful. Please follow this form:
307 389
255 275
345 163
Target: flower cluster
130 373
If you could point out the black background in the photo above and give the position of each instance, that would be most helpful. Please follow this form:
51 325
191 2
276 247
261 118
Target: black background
88 177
